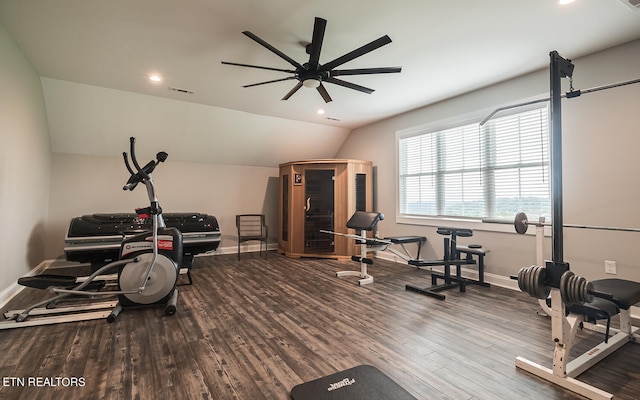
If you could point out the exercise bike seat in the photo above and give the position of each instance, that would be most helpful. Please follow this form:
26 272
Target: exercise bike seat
459 232
45 281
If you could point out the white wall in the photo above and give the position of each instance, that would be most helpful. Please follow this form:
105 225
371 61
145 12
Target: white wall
83 184
601 135
92 120
222 162
25 159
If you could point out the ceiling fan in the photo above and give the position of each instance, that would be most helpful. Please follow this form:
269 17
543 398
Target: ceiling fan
312 74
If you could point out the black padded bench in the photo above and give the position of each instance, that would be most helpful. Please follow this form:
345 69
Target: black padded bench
479 252
404 240
598 309
452 257
450 243
625 294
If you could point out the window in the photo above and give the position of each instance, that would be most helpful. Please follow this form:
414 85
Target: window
471 171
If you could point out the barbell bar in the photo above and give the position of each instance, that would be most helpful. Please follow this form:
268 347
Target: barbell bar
521 223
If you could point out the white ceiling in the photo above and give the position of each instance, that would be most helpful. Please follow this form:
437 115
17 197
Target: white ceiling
445 48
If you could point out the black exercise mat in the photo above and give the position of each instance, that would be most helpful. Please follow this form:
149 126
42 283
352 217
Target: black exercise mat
363 382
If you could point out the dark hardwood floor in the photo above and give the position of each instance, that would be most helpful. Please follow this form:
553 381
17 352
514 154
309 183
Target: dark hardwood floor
252 329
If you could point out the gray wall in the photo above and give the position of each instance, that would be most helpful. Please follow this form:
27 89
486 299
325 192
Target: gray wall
25 159
601 135
89 184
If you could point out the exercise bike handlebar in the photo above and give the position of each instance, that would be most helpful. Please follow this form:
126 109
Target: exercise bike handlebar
140 174
143 174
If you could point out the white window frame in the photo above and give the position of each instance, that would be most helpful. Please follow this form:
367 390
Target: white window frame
455 222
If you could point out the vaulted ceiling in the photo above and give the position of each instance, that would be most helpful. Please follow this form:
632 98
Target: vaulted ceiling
445 48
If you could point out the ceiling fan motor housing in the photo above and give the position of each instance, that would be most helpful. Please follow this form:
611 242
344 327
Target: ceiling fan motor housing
312 74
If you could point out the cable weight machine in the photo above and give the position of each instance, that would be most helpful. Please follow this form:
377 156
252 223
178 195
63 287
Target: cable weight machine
568 292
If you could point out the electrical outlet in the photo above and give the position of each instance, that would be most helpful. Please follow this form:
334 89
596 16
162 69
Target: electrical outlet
610 267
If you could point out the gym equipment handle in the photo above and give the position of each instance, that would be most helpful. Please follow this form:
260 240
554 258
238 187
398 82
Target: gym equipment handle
142 173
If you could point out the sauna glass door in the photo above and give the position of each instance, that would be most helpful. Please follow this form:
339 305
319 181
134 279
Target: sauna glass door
319 210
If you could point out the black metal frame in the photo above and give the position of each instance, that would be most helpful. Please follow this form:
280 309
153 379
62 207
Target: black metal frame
559 68
451 258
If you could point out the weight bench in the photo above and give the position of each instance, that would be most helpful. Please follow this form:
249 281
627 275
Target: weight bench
596 310
620 296
404 240
624 295
452 257
364 222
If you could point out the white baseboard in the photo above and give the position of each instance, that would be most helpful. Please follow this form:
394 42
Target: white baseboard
10 292
496 280
245 248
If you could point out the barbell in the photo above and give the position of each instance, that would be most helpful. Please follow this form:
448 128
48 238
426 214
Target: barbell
521 223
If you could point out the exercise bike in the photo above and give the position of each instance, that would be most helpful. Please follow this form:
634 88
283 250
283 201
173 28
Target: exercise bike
147 270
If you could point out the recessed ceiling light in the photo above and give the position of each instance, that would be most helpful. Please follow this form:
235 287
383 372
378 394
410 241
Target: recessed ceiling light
563 2
320 111
155 78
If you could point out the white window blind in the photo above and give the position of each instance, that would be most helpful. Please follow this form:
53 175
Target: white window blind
472 171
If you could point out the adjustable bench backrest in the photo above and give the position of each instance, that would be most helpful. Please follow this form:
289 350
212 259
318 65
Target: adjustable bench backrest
366 221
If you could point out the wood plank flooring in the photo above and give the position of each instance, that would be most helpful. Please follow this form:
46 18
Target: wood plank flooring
252 329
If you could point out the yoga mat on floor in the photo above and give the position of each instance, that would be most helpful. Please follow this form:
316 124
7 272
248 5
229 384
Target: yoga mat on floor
363 382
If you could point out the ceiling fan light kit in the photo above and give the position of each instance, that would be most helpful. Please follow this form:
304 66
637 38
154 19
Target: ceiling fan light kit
311 83
312 74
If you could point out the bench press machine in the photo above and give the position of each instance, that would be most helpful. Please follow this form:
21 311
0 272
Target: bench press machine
452 257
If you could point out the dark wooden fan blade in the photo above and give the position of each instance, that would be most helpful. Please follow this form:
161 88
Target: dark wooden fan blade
259 67
365 71
356 53
292 91
273 81
349 85
316 43
273 49
323 92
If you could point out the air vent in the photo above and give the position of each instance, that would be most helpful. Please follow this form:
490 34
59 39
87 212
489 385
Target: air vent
632 4
185 91
332 119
